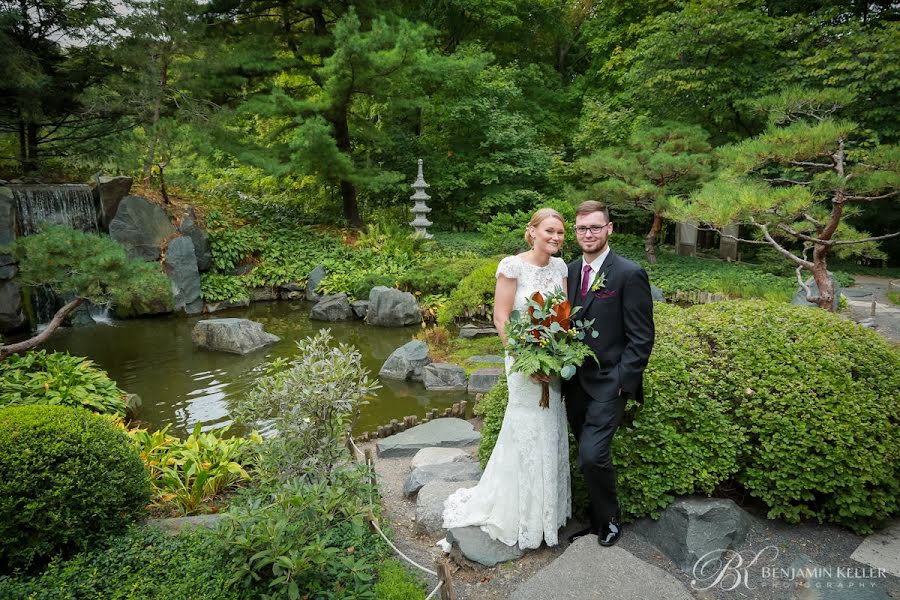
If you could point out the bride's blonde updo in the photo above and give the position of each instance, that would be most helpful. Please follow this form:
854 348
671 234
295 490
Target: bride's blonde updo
537 218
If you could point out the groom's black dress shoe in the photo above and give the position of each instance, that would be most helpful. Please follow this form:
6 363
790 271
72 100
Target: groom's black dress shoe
610 533
581 533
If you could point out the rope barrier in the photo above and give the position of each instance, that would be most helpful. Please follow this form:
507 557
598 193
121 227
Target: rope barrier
374 523
434 591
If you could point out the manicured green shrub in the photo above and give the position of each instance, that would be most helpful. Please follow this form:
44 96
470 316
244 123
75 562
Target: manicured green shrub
57 378
505 233
67 478
216 287
473 295
396 583
796 405
818 398
142 564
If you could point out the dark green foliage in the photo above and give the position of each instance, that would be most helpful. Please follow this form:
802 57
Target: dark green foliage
216 287
817 397
473 297
304 538
92 266
56 378
798 406
141 564
67 478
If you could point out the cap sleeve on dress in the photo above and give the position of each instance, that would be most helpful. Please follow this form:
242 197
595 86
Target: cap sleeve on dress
509 267
559 266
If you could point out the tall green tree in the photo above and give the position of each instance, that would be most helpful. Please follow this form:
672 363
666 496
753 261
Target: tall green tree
654 166
53 61
294 74
796 183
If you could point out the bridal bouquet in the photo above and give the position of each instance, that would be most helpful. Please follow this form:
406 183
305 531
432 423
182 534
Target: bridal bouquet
546 340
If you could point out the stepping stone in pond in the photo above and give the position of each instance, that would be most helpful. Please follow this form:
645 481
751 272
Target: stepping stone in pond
447 432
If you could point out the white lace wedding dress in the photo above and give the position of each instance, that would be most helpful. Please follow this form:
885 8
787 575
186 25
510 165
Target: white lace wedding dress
524 495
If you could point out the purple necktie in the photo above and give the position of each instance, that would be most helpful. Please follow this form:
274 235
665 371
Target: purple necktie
585 280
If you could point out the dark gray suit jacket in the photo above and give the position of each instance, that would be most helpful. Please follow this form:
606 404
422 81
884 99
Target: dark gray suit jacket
623 317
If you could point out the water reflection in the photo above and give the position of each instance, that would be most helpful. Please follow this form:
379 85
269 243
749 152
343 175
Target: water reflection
183 386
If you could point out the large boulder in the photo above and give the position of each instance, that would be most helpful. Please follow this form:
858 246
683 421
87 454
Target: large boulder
238 336
312 282
11 316
482 380
332 308
800 295
447 432
430 504
694 528
477 546
656 294
406 362
141 227
452 471
200 238
360 308
181 268
111 190
7 232
392 308
444 377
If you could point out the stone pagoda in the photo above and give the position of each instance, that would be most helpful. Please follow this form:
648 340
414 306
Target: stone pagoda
421 222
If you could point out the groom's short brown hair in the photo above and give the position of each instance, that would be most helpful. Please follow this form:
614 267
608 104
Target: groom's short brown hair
591 206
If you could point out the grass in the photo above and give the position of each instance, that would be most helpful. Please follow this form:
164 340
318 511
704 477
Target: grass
894 297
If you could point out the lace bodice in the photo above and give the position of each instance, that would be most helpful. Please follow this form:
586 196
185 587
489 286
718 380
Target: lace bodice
532 278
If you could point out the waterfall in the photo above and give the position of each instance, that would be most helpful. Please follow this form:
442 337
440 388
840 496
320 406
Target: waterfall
72 205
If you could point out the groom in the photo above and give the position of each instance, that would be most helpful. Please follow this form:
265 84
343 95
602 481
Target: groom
615 292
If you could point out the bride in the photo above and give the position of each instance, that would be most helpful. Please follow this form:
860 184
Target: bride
524 496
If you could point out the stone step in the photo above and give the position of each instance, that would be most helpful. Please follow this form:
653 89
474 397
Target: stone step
446 432
587 571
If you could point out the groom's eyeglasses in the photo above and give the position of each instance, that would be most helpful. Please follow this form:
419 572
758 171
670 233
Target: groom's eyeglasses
595 229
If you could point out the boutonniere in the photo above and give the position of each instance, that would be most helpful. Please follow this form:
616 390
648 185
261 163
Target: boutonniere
599 282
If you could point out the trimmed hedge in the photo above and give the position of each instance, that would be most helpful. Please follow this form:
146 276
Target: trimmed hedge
795 404
67 478
141 564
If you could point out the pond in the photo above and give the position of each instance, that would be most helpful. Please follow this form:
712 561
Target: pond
182 385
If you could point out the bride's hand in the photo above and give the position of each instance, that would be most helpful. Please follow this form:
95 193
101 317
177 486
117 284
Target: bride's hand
540 378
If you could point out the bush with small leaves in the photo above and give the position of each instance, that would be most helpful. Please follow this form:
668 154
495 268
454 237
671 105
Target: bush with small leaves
67 479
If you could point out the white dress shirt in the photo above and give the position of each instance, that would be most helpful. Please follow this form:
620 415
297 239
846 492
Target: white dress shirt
595 266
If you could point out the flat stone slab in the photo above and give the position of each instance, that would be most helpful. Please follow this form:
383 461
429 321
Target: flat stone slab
469 331
881 550
478 546
176 525
458 471
486 358
587 571
438 456
448 432
430 504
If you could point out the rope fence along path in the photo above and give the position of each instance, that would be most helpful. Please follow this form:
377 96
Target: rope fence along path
445 582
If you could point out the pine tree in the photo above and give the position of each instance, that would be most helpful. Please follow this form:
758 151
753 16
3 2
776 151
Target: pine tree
655 165
798 181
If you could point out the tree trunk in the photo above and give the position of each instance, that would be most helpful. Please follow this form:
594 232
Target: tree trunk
23 146
348 190
823 281
650 242
154 122
30 164
40 338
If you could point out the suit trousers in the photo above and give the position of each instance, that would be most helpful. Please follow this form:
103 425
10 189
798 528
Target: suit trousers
594 423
